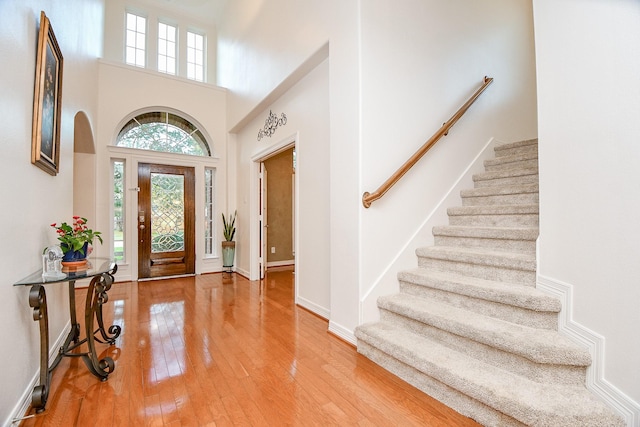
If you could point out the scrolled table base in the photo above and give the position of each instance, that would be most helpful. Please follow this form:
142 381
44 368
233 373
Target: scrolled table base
96 297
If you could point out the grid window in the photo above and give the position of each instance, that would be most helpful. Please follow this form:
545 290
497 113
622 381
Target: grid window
208 211
195 56
166 48
118 209
136 40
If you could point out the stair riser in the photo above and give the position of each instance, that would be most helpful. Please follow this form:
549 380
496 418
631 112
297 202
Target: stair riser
510 313
521 277
451 397
515 220
501 199
511 180
498 166
518 246
543 373
468 394
527 149
489 350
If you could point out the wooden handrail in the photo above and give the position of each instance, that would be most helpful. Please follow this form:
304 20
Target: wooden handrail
368 198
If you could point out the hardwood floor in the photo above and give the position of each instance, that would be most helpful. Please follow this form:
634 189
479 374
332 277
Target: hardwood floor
222 350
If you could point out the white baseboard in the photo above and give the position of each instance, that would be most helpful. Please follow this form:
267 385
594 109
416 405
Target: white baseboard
313 307
595 343
25 399
242 272
342 333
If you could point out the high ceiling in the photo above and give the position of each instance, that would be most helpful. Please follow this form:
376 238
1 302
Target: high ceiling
201 10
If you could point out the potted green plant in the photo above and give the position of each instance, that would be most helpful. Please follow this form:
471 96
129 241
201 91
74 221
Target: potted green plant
76 238
228 244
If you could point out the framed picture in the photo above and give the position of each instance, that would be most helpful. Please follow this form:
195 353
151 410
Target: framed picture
47 98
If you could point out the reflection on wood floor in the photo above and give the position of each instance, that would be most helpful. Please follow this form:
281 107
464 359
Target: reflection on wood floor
219 349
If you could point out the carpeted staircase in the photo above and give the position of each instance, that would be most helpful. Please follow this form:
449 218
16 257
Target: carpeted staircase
469 327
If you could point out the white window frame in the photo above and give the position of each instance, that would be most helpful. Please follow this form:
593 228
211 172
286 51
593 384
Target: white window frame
210 213
196 49
135 40
124 208
167 48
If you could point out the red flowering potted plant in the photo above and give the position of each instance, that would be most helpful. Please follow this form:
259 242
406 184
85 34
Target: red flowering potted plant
75 239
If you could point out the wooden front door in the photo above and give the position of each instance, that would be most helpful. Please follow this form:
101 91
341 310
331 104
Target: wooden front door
166 220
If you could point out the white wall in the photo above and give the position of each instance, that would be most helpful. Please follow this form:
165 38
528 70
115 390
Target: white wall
115 25
125 90
260 46
589 105
31 198
398 70
420 63
306 106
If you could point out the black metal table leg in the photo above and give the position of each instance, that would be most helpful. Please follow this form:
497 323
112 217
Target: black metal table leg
75 326
38 300
96 296
108 336
101 280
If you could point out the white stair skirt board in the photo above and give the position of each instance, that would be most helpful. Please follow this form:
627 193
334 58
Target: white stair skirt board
469 326
595 343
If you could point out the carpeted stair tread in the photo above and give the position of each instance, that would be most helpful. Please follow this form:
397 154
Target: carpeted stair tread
505 233
469 326
516 148
500 190
480 256
505 173
538 345
521 160
525 297
511 159
530 402
516 144
494 210
487 215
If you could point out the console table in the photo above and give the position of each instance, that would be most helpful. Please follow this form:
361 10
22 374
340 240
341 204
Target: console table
101 271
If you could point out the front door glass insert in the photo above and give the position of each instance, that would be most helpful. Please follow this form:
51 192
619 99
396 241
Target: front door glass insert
167 212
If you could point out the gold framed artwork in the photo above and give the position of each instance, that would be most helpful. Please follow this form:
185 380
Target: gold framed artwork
47 100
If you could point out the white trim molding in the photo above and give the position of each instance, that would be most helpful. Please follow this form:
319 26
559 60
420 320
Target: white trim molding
595 343
313 307
342 333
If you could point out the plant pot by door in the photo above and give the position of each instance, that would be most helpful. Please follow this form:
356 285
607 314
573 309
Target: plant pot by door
228 254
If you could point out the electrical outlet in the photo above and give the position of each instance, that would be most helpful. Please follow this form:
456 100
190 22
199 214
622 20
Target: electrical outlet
273 249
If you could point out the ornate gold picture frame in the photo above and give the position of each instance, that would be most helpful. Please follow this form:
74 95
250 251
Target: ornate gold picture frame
47 100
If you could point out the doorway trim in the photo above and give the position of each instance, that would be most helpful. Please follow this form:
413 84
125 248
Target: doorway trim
128 268
284 144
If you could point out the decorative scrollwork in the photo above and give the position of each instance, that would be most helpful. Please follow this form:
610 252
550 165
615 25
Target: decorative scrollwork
271 123
37 300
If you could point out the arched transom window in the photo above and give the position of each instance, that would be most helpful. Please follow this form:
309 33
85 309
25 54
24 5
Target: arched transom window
163 131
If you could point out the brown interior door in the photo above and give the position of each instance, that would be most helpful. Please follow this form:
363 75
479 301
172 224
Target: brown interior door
166 220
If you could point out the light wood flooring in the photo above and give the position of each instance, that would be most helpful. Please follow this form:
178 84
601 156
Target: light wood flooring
220 350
